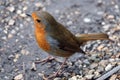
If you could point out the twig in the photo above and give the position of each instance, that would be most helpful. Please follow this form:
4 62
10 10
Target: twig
24 71
114 70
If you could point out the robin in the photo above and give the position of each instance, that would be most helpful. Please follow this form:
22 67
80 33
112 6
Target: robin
55 39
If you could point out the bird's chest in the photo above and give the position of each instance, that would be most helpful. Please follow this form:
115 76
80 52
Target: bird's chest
41 40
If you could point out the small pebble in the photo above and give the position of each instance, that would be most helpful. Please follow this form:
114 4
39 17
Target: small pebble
108 67
89 76
16 28
96 74
11 8
10 36
28 19
94 57
99 3
33 67
113 2
44 8
2 21
100 69
16 57
99 48
21 26
77 12
93 65
6 77
78 63
60 17
91 71
68 16
6 27
118 55
24 52
38 4
19 77
21 36
2 70
113 77
23 15
114 63
106 27
113 38
86 61
11 22
41 74
87 20
77 77
57 11
69 64
4 38
57 79
69 23
73 78
103 63
110 17
111 60
103 23
25 8
19 11
10 56
116 6
5 31
117 28
100 12
13 31
16 40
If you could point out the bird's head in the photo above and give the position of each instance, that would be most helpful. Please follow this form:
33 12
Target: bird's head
44 19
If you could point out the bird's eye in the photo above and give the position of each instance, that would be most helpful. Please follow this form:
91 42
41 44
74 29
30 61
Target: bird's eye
38 20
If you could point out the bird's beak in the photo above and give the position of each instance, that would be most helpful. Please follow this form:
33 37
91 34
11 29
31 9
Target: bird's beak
28 15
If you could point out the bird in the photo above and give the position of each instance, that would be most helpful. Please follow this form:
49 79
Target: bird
56 40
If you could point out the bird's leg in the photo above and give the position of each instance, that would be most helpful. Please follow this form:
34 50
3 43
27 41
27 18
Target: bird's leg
59 70
61 66
49 58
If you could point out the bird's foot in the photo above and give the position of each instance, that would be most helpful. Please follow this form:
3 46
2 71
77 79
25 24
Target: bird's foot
58 72
52 76
48 59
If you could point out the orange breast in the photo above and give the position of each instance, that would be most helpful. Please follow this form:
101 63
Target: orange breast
41 39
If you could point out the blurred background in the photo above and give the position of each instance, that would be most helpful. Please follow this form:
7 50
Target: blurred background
19 50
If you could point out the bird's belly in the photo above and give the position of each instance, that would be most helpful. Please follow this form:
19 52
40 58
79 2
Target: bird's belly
60 52
55 49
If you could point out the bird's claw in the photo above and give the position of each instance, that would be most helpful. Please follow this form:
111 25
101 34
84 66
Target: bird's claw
48 59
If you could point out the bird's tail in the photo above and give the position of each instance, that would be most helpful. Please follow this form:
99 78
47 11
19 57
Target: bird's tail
83 38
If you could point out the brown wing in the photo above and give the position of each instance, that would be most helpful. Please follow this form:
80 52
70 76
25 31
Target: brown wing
67 41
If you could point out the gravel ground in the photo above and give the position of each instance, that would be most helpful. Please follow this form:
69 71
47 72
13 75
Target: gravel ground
19 50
